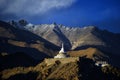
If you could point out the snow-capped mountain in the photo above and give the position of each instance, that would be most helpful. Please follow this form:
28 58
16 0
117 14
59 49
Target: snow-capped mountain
75 38
77 41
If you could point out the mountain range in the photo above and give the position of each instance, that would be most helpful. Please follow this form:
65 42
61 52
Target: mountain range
24 46
75 38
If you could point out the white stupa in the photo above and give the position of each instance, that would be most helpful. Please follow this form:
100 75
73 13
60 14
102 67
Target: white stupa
61 53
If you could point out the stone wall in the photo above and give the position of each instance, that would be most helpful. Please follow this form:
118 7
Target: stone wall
50 61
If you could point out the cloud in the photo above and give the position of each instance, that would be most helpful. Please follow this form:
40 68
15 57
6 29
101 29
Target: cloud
32 7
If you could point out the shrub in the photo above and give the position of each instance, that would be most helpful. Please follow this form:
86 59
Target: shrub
57 62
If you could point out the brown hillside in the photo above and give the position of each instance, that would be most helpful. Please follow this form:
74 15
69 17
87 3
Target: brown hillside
84 69
89 53
14 40
55 71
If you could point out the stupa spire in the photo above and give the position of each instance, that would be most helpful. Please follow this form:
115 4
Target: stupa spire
62 49
61 53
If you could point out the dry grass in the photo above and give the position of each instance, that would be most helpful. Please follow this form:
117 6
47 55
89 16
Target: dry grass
39 46
18 70
17 43
59 71
67 71
6 33
89 53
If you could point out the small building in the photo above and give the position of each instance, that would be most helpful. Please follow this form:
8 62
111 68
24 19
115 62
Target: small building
101 63
62 53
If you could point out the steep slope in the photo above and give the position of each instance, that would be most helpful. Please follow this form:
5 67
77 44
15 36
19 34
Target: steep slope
14 40
72 37
75 39
45 31
81 70
91 53
82 36
78 38
97 55
51 33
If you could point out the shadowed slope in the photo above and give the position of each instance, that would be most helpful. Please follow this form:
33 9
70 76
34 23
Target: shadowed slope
16 40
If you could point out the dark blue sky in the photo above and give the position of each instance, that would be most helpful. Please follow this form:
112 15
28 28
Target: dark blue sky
102 13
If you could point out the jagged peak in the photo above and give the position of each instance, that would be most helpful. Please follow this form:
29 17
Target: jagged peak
53 26
23 22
